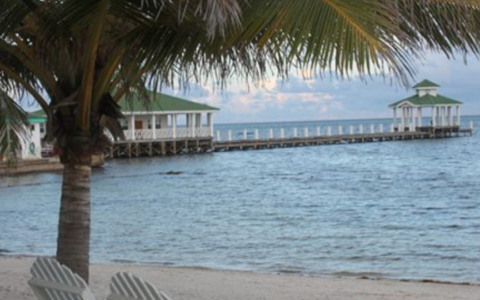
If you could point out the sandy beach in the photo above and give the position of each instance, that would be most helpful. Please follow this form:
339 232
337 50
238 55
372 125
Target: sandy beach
200 284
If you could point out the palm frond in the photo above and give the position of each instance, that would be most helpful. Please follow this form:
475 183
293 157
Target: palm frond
11 12
14 127
341 37
215 16
449 26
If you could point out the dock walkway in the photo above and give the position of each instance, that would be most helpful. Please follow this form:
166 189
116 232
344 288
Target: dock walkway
171 146
245 144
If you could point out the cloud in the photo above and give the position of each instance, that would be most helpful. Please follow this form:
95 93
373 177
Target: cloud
312 98
274 99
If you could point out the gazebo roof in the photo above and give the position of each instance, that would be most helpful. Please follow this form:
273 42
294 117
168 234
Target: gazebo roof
427 100
425 84
161 103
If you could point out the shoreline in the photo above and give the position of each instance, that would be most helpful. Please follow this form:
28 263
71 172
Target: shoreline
29 166
349 275
182 283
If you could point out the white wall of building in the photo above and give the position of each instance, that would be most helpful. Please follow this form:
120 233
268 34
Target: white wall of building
32 145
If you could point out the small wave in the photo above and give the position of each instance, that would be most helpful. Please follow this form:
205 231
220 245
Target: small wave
289 271
429 208
439 281
200 268
123 261
151 250
419 213
398 227
441 246
307 206
285 269
359 258
473 206
460 258
361 275
149 174
199 173
453 226
13 185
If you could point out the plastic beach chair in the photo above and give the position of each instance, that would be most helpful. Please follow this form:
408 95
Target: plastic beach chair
53 281
127 286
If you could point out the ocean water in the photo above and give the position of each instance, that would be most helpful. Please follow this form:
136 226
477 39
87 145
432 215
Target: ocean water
401 210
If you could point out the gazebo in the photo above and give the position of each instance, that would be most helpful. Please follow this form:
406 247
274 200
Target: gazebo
445 112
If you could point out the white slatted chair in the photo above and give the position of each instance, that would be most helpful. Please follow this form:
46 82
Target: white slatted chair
125 286
53 281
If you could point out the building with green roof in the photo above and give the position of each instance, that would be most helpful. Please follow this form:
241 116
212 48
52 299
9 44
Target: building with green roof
152 116
442 109
159 116
32 146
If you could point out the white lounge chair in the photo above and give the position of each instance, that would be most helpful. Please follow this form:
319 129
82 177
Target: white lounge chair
127 286
53 281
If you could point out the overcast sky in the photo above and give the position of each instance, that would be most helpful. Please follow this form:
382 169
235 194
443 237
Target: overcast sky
327 99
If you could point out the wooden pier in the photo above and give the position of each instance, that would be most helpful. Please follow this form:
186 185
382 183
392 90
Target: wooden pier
170 146
246 144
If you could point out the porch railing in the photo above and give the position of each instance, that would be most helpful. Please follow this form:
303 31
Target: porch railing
168 133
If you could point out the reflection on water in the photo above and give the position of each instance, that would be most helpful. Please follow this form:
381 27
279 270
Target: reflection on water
407 209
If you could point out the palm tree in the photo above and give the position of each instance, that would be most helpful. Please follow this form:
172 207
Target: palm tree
77 58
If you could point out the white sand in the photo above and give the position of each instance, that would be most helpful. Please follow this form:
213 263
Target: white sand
184 283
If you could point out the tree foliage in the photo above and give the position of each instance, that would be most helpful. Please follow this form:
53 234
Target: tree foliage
13 127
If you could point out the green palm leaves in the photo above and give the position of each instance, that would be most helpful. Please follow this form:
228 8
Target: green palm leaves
13 127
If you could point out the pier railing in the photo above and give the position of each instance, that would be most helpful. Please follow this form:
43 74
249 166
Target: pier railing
167 134
327 131
279 133
196 140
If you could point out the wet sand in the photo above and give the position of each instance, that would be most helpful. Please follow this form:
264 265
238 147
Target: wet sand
203 284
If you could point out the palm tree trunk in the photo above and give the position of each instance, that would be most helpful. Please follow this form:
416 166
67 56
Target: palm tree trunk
74 225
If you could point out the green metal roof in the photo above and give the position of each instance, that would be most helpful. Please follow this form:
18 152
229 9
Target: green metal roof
428 100
33 120
37 116
161 102
425 84
158 102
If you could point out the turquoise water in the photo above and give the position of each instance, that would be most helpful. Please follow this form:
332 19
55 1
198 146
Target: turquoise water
402 210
